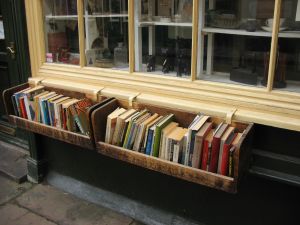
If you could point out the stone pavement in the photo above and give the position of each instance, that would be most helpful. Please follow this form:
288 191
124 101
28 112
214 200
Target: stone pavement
29 204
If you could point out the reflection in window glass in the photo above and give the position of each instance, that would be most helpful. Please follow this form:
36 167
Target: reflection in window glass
163 37
236 40
106 24
61 31
287 74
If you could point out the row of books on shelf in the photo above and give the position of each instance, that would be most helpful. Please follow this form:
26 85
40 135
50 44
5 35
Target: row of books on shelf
203 145
53 109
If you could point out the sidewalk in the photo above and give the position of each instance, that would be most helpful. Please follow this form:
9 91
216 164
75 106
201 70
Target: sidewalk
30 204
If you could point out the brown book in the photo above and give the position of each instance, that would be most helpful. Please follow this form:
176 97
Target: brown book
198 146
111 124
232 151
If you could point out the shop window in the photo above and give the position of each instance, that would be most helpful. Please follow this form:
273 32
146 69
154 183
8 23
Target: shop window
163 37
106 34
61 31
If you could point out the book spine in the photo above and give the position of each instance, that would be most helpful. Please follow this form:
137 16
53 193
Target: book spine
205 155
127 134
46 114
196 158
107 134
13 99
192 144
231 162
225 160
213 165
123 133
149 142
176 152
187 150
22 107
209 157
26 103
49 113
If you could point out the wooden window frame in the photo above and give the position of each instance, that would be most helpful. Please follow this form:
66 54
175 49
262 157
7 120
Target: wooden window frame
252 104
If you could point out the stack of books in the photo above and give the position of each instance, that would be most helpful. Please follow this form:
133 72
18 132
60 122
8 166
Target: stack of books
203 145
39 105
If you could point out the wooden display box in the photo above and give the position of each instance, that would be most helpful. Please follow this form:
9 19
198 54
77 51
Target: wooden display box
40 128
217 181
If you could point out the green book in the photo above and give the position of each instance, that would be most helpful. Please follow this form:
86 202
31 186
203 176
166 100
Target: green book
157 135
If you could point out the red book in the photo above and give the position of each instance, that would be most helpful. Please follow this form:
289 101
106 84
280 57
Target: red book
22 107
213 165
205 154
225 155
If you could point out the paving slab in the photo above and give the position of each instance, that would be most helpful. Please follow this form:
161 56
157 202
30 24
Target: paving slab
66 209
11 214
13 162
10 189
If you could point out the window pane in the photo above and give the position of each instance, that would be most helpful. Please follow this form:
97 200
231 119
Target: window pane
163 37
106 26
61 31
287 75
236 41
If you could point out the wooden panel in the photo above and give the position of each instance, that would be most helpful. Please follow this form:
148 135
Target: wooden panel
53 132
176 170
184 118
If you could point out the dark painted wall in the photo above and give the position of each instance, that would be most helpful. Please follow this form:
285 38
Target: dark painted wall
259 201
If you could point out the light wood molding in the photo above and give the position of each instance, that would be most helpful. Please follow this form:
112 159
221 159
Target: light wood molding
195 40
34 81
274 47
131 39
80 9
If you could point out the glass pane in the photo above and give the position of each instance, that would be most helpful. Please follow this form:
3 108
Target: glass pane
61 31
163 37
236 41
287 74
106 31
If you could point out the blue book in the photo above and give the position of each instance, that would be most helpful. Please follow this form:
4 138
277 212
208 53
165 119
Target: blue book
149 141
46 112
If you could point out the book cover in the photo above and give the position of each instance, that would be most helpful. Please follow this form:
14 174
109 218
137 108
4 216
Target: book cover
206 145
161 125
22 107
215 150
37 107
111 124
51 108
199 138
145 141
124 129
224 138
79 113
225 154
141 132
166 131
57 121
16 103
41 105
29 101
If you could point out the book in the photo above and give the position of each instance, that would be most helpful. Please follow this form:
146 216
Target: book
119 126
164 133
79 113
225 153
224 138
111 124
141 132
130 128
157 135
144 143
190 141
199 138
215 150
16 102
206 149
135 129
68 120
51 108
42 106
125 127
174 144
57 112
22 107
235 144
37 106
150 136
29 101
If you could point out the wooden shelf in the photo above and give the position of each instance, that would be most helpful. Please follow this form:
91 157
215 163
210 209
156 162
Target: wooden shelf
63 17
42 129
213 180
170 24
53 132
259 33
